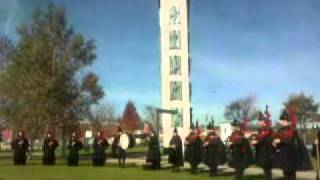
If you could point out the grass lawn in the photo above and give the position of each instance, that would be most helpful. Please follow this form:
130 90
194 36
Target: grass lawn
35 171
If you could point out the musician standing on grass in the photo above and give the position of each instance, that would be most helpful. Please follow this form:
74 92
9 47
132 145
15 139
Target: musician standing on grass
115 144
175 151
100 144
290 153
193 149
241 153
121 153
153 155
214 150
263 144
74 146
49 147
20 147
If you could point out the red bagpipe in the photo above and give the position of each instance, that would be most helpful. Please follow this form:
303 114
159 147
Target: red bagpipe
210 137
263 133
236 137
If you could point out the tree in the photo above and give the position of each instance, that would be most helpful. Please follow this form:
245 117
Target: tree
103 114
43 84
6 48
306 107
241 109
130 118
150 115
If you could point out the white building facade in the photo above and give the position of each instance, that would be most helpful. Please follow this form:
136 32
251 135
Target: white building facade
175 67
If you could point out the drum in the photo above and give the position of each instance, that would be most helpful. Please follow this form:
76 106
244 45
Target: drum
124 141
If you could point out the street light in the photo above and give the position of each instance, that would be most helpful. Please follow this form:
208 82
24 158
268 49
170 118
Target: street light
162 111
158 112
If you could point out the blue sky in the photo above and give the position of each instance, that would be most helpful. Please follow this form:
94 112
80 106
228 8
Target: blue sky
264 48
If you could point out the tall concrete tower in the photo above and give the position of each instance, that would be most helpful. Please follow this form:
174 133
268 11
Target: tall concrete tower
175 67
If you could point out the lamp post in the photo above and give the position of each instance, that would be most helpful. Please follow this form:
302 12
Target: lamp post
158 112
162 111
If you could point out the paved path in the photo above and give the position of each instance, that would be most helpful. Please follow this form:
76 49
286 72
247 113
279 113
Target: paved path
250 171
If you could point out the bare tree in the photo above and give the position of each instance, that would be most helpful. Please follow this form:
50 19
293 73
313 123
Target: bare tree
103 114
150 115
240 109
306 108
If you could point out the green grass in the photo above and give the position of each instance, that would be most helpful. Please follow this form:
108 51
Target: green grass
35 171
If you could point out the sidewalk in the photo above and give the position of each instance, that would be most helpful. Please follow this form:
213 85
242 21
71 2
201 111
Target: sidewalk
250 171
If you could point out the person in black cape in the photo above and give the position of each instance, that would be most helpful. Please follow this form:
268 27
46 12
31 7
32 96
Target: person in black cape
175 151
121 153
49 147
314 146
289 152
100 144
115 144
262 142
153 155
20 147
214 150
193 149
240 151
74 146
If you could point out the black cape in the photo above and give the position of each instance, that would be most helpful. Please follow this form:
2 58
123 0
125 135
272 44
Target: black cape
20 147
215 153
291 154
114 147
49 148
153 155
176 154
241 155
99 156
193 149
74 147
263 151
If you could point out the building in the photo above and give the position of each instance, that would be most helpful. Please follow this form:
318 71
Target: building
175 67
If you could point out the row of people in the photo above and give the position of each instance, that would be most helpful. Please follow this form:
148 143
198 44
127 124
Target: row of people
267 149
282 149
20 147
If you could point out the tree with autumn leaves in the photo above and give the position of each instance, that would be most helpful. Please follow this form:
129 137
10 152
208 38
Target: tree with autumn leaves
130 119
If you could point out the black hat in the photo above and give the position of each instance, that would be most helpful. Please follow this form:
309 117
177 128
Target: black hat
192 126
284 116
175 130
209 126
260 116
197 124
235 123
